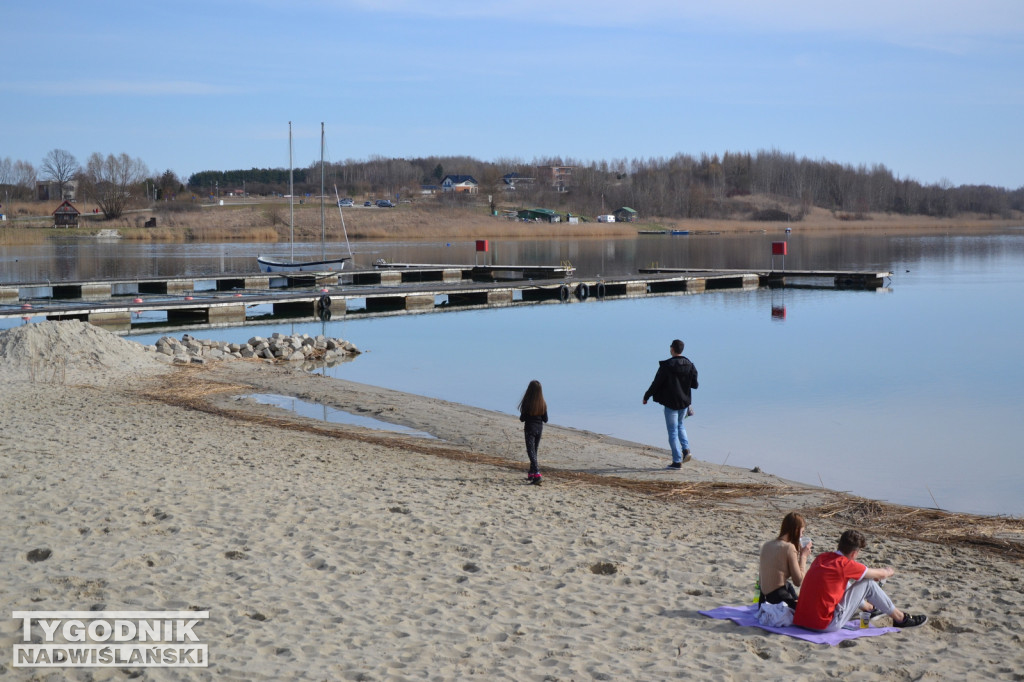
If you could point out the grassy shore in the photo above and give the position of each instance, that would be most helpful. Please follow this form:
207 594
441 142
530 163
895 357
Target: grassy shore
268 221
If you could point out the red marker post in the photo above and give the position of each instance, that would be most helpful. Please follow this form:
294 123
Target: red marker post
779 249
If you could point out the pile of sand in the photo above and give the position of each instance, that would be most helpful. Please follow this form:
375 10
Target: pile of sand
71 350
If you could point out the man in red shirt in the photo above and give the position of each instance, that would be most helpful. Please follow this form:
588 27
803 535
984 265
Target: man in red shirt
836 585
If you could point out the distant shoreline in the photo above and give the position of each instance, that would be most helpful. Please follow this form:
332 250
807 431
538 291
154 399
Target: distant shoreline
267 221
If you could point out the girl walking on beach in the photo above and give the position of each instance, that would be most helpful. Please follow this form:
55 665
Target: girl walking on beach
533 412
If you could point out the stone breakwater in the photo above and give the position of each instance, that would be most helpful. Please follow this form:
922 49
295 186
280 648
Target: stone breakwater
278 348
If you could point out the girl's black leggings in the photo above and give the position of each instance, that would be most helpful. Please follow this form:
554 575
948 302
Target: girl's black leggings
533 432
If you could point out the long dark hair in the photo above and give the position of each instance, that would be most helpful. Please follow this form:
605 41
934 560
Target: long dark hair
532 404
791 527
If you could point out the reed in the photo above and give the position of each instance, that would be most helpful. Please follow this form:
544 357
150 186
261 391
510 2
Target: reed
266 220
20 236
201 234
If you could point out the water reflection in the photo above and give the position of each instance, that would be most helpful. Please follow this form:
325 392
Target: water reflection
91 258
304 408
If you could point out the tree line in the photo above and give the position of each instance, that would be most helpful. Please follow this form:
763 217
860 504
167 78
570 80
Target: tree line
681 186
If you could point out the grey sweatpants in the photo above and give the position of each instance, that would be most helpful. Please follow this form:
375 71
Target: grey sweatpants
856 594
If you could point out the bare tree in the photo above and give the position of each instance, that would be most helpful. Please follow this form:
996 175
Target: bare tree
6 171
61 167
24 179
491 184
112 181
6 177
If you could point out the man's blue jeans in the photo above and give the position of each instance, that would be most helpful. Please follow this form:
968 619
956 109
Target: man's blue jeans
677 440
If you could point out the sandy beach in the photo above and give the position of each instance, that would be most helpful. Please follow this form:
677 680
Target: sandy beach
331 552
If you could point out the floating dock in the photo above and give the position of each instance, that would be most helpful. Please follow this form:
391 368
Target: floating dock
383 273
845 279
120 304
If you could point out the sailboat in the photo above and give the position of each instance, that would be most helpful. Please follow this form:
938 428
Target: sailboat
325 264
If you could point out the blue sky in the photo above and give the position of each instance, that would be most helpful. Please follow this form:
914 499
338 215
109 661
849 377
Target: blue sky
932 89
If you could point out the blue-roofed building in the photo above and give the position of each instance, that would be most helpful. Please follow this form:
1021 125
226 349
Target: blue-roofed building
460 183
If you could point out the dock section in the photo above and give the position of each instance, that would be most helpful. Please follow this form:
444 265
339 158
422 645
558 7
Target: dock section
846 279
309 294
382 273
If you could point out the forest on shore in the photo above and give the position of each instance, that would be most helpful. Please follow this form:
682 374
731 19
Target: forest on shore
765 186
682 186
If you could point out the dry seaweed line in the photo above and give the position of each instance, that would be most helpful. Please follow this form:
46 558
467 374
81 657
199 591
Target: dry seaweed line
930 525
189 391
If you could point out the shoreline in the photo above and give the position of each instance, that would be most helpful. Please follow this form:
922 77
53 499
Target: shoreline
261 222
580 455
331 551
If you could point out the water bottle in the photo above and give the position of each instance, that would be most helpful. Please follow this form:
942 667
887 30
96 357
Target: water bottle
757 590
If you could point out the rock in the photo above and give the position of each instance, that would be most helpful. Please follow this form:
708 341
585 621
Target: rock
39 554
309 350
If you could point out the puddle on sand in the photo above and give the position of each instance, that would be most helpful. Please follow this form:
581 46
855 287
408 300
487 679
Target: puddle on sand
332 415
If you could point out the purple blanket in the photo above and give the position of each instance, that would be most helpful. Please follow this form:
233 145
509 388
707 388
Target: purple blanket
747 615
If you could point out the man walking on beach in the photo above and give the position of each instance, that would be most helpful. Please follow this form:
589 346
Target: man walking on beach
671 388
826 603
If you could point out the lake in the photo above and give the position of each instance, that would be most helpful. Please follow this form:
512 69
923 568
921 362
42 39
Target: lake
910 394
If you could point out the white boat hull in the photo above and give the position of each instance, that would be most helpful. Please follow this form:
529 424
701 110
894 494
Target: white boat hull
275 265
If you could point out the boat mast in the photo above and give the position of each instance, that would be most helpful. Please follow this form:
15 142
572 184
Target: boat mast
348 246
323 228
291 193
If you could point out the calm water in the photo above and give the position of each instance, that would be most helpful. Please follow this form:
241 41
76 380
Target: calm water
912 394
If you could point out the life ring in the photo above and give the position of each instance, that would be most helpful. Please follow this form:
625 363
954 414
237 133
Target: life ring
582 291
600 290
325 302
563 292
325 314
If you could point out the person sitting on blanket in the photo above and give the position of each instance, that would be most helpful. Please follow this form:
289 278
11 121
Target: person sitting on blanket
827 599
783 563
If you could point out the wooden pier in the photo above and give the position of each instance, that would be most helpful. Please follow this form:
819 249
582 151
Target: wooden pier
320 294
848 279
382 273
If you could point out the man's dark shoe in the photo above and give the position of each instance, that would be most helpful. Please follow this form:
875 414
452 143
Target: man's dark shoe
910 621
675 465
686 456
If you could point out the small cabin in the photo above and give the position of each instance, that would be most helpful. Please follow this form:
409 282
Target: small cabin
624 215
66 215
545 215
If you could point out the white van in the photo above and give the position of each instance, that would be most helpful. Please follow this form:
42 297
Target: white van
606 219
